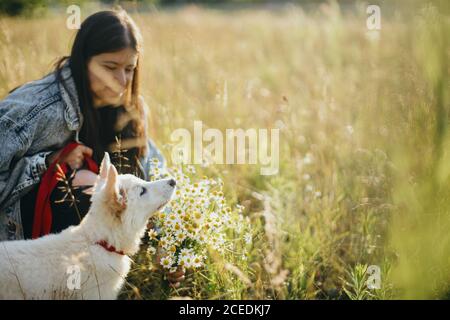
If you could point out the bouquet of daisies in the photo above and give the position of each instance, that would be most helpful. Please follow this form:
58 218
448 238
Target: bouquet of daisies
197 219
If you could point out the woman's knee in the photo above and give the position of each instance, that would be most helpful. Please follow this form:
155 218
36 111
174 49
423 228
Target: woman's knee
84 178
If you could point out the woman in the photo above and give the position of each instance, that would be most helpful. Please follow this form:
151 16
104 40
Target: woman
92 98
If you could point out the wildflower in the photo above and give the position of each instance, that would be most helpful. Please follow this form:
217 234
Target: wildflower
151 250
166 262
152 234
248 238
173 269
190 169
308 159
180 236
197 261
349 129
186 261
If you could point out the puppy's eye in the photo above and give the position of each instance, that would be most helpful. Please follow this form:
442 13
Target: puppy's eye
143 191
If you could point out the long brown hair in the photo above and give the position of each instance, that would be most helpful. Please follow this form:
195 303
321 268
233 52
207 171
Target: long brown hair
104 32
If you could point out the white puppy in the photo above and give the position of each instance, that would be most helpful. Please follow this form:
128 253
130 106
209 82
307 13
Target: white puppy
91 260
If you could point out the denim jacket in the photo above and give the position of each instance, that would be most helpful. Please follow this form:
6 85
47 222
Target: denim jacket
36 119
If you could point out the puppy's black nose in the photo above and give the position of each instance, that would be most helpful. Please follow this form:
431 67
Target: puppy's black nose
172 183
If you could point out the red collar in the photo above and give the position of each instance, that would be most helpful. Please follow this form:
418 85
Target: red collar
109 247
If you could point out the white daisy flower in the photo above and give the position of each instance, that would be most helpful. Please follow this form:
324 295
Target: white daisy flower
166 262
190 169
248 238
197 261
152 234
151 250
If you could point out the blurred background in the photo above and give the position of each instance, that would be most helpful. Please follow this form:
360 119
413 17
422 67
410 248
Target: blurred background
364 140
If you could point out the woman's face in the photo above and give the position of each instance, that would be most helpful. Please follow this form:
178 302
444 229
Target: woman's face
110 74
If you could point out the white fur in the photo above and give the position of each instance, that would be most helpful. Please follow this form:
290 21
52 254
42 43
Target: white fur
41 268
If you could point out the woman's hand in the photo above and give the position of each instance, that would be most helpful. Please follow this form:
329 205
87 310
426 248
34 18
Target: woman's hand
174 278
75 158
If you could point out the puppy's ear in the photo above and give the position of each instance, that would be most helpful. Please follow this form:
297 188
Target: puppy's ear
116 200
111 181
104 166
102 175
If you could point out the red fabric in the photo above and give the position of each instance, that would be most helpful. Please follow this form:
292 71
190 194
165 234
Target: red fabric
109 248
42 223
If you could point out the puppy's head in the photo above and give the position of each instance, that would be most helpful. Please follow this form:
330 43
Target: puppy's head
127 201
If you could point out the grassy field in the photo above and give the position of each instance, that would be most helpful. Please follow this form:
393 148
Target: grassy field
364 140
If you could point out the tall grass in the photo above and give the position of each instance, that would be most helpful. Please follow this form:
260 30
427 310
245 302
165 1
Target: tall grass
363 140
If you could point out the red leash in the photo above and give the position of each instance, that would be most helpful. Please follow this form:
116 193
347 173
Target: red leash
42 223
